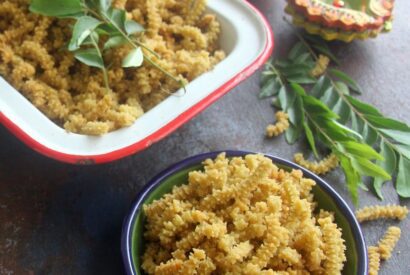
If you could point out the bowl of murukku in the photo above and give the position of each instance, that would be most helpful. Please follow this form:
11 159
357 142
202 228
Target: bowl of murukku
239 212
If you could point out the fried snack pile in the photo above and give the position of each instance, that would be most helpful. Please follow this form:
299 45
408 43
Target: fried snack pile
241 216
34 59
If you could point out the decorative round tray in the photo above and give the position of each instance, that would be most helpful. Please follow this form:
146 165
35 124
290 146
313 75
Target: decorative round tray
342 19
329 33
357 15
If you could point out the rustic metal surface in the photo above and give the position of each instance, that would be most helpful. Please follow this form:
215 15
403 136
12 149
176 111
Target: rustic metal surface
62 219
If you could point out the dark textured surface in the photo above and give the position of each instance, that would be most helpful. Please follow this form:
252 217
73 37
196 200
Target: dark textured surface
62 219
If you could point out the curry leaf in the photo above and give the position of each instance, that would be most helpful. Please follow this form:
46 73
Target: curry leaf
403 176
132 27
347 79
57 8
90 57
82 29
388 164
134 59
114 41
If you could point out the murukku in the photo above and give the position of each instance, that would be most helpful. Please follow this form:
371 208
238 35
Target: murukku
370 213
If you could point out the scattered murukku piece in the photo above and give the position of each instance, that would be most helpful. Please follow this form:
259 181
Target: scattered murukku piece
319 168
281 125
374 260
370 213
321 66
388 242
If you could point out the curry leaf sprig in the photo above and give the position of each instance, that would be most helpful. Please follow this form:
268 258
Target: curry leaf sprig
98 28
362 123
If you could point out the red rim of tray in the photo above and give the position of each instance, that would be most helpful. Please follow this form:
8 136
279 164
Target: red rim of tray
160 133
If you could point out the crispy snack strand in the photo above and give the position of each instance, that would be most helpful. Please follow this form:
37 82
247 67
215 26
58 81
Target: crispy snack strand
241 216
319 168
382 212
374 260
34 59
388 242
281 125
321 66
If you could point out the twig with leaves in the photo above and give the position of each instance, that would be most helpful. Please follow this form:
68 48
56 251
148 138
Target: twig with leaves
346 125
97 19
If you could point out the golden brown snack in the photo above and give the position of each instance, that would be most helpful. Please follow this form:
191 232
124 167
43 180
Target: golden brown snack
388 242
241 216
374 260
281 125
34 59
370 213
319 168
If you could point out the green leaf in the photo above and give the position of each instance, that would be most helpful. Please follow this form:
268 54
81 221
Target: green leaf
57 8
320 87
316 108
301 79
403 176
342 109
404 150
369 134
303 59
397 136
286 98
283 63
270 88
114 42
297 50
90 57
353 179
298 89
342 88
347 130
292 134
132 27
295 69
330 97
387 123
105 5
347 79
134 59
117 18
91 39
82 29
368 168
296 113
388 164
310 138
361 150
363 107
357 123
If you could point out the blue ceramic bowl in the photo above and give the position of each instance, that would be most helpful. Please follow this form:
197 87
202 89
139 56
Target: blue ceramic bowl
132 244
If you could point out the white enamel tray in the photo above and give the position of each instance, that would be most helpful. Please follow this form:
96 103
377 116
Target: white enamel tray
246 38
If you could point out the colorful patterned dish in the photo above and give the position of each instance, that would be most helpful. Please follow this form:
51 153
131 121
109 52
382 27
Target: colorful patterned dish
328 33
246 38
349 15
343 19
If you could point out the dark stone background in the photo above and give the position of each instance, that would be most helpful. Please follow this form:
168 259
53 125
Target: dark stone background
62 219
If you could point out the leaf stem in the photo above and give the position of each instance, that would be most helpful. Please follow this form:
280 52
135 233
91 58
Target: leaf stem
104 69
137 44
